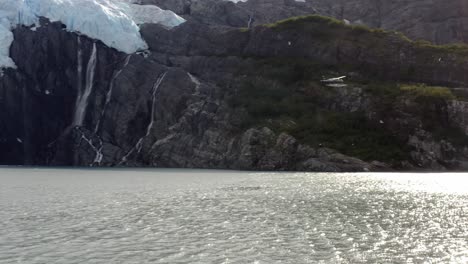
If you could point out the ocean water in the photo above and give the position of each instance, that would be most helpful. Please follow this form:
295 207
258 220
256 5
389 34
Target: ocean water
198 216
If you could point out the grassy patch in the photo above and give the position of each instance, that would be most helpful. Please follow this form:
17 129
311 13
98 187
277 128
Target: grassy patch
351 134
455 48
420 91
287 70
305 20
375 39
328 25
287 96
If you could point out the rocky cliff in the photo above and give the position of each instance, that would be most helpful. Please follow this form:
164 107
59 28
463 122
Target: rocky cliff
209 95
438 21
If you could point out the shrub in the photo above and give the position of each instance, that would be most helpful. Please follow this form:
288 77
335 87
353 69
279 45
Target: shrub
425 91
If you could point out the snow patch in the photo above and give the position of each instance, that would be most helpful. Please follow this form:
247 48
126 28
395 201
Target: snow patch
6 38
334 80
337 82
114 22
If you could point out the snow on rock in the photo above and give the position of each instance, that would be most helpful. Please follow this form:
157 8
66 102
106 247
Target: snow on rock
142 14
114 22
6 38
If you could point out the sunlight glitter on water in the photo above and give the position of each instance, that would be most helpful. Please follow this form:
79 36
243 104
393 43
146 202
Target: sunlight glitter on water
450 183
184 216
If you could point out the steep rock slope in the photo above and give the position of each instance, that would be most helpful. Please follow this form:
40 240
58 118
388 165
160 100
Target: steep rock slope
379 64
187 104
139 112
438 21
208 96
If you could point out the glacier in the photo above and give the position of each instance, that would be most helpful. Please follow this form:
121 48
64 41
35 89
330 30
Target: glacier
114 22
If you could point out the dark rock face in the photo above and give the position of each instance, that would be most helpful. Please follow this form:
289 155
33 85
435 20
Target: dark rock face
172 108
217 12
386 55
39 94
438 21
141 112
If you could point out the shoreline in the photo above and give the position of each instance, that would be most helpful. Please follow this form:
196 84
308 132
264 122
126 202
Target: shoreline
201 170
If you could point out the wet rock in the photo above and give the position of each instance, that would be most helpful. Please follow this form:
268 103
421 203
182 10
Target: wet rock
170 107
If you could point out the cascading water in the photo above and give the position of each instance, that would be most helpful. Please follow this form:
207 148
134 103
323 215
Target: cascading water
97 148
139 143
109 93
153 105
79 69
82 98
251 20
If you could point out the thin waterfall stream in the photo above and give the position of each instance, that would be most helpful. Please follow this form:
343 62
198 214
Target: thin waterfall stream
138 146
109 92
83 96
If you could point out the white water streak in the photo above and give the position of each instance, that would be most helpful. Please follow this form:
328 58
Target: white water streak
82 100
138 146
196 82
109 93
249 24
98 150
79 85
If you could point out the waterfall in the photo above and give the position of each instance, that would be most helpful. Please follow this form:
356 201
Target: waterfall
251 20
153 105
139 143
97 149
196 82
82 98
109 93
80 69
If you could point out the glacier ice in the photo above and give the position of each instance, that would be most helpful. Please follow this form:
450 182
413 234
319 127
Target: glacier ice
6 38
114 22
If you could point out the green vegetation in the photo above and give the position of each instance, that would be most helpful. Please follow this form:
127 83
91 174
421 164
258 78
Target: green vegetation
287 96
306 20
328 25
375 38
455 48
350 133
302 114
421 91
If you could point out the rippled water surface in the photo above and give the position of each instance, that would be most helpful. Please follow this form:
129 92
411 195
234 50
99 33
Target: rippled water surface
182 216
